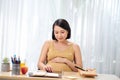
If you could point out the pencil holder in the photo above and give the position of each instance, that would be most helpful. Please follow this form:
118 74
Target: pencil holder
15 69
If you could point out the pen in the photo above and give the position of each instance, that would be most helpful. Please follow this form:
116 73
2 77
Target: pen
19 60
15 60
12 60
80 68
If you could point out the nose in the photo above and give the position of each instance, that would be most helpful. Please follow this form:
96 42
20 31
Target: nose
59 34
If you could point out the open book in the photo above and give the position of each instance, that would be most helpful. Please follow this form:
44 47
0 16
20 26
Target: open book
42 73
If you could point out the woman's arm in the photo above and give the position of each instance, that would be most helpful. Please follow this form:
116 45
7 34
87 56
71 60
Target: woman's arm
43 58
77 59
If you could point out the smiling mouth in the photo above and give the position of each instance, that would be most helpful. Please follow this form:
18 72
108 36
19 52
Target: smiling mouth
60 38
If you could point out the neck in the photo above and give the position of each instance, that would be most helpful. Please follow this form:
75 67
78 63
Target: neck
62 42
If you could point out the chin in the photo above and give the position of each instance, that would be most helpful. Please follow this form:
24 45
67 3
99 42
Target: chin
61 40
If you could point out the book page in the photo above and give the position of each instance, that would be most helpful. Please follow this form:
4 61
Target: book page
52 75
41 73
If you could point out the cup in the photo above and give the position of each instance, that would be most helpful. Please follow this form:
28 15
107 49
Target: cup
24 69
15 69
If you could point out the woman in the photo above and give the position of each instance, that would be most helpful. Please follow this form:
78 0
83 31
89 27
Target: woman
60 54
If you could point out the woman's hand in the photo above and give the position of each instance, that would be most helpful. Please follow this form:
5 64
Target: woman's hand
59 60
47 68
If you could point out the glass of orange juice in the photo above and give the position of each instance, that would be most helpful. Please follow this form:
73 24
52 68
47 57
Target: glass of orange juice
22 64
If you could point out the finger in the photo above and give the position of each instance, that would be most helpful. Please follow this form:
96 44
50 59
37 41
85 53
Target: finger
53 60
48 69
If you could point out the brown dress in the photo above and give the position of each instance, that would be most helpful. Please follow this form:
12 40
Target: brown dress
67 53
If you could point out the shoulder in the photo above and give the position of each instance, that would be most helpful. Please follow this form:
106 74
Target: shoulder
75 46
48 42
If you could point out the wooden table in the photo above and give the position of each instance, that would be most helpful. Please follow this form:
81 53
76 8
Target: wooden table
65 76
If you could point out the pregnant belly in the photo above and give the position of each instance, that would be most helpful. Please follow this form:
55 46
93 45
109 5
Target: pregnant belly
59 67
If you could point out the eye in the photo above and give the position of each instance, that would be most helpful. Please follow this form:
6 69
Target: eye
56 32
62 32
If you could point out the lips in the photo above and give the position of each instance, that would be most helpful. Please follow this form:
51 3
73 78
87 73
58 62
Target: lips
60 38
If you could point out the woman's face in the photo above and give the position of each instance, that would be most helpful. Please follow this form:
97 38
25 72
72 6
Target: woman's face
60 33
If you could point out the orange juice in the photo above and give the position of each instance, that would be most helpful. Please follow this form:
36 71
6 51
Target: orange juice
22 64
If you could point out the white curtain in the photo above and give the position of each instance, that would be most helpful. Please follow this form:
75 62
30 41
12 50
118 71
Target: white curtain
99 22
26 24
